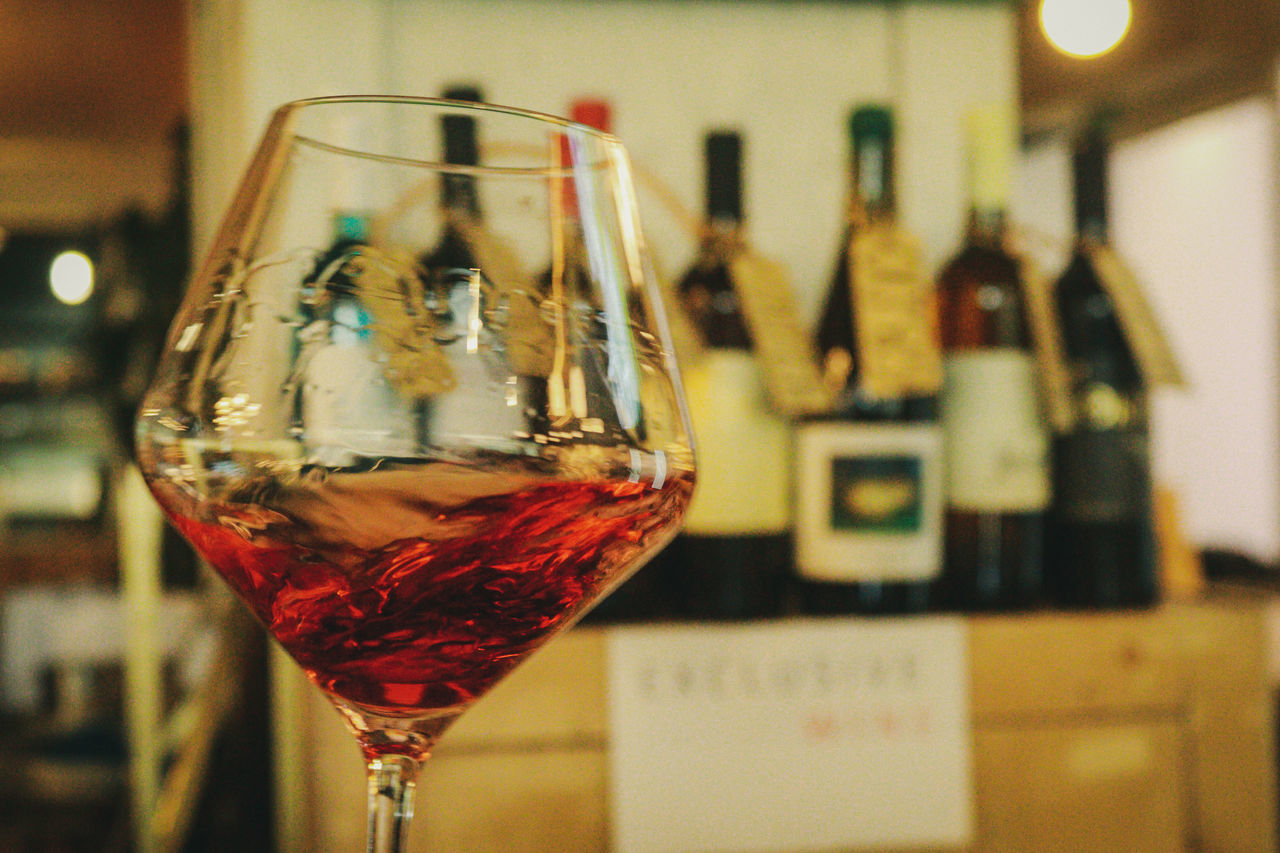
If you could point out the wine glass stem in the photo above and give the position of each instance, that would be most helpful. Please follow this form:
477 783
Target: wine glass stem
391 784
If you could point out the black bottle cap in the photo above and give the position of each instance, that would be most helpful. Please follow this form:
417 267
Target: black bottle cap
871 121
463 93
723 150
461 147
460 130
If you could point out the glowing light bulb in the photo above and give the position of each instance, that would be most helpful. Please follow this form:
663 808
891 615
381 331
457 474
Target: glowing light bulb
71 277
1085 28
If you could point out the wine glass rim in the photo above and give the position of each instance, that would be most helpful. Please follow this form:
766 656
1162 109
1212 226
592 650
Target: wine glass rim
460 106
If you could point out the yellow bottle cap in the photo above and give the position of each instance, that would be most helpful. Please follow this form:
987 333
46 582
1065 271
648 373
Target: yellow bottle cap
991 134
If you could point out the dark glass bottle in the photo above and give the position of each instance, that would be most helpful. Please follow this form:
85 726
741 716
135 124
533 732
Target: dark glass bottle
875 459
458 193
446 270
733 558
447 264
1103 550
998 480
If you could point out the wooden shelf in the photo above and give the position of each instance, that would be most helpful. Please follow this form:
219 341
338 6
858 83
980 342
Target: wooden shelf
1148 731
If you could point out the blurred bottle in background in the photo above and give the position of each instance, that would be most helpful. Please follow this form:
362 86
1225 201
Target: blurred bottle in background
868 473
1102 544
996 439
734 556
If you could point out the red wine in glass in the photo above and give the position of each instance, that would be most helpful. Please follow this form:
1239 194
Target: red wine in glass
401 594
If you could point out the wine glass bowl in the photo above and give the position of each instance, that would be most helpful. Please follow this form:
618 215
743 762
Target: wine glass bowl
412 454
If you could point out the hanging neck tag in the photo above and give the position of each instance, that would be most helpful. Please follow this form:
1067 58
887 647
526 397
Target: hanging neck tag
1046 338
1138 324
787 359
895 310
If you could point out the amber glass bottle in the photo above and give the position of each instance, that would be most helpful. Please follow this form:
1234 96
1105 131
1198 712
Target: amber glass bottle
998 478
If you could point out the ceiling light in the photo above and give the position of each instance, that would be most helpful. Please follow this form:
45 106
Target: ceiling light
1085 28
71 277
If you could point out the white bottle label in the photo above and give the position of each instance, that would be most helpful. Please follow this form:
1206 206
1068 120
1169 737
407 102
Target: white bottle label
996 441
869 503
744 449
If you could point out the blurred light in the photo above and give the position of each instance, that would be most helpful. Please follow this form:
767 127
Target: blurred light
71 277
1085 28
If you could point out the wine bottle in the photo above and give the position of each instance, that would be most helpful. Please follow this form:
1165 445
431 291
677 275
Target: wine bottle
467 248
735 551
1103 550
458 194
868 473
644 595
996 439
579 392
340 380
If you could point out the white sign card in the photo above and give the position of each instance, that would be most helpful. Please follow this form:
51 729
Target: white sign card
793 735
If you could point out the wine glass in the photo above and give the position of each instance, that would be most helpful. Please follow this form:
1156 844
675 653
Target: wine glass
412 455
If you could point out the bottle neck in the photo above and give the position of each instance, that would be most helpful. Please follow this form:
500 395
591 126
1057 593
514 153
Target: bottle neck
1092 231
871 177
461 147
592 113
987 226
991 134
459 195
1089 173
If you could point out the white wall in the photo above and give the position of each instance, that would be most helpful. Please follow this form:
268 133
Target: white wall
787 74
1195 214
1193 210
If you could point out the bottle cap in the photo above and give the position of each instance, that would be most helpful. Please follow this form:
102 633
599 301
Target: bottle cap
593 112
463 93
724 175
871 121
991 134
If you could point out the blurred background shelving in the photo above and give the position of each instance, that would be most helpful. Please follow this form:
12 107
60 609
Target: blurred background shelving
124 123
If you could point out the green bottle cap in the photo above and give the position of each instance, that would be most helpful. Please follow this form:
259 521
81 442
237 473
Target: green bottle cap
871 121
992 135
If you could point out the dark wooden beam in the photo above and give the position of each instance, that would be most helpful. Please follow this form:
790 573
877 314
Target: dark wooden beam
1179 57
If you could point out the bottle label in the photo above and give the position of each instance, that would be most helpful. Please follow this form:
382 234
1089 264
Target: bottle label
744 449
896 315
530 339
997 443
414 362
1102 476
869 502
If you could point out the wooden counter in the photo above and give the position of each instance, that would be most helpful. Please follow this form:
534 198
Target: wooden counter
1115 733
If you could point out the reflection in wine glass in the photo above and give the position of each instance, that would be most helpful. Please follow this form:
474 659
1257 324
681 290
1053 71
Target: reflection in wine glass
415 462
